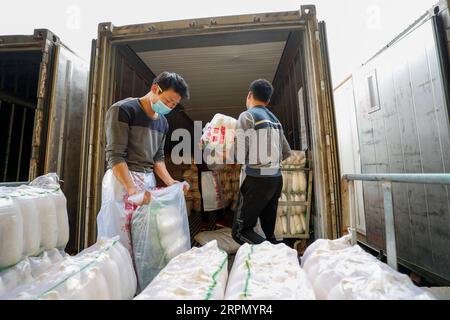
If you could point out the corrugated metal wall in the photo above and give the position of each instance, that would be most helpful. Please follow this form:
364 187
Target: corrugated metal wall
404 128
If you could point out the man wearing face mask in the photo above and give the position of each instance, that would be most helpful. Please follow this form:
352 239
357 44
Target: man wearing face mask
136 130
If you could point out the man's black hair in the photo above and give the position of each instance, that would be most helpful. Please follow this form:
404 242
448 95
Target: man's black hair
171 80
262 90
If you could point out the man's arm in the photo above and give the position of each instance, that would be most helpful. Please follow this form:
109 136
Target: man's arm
161 170
286 148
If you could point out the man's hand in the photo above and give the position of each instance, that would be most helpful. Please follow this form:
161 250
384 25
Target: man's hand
132 190
185 186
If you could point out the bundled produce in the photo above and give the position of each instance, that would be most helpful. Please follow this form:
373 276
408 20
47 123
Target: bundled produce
267 272
160 232
101 272
292 203
32 219
199 274
339 271
223 237
28 270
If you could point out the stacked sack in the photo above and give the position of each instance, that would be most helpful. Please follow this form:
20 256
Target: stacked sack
159 232
199 274
339 271
32 219
268 272
29 269
101 272
291 218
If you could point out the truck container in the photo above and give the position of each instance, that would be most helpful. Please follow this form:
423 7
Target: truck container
219 57
43 91
393 117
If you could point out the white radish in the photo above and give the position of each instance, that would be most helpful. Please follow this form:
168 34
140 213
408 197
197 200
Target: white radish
291 225
302 182
285 224
303 221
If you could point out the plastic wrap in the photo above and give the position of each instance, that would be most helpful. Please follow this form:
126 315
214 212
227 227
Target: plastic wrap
268 272
199 274
160 232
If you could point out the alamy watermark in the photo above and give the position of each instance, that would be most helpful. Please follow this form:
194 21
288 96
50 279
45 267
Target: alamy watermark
261 147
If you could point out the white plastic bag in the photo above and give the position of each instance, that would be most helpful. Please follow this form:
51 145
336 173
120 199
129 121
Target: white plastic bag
114 218
339 271
212 194
268 272
11 233
199 274
29 269
103 271
160 232
31 222
51 186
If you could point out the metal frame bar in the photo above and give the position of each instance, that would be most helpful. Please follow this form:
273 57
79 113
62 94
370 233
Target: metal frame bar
387 180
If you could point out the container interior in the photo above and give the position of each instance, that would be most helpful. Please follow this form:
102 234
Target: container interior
18 98
219 69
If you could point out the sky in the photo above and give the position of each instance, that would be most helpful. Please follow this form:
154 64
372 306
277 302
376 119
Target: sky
357 29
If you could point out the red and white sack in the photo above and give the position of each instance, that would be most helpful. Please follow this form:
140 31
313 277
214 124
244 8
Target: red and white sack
220 132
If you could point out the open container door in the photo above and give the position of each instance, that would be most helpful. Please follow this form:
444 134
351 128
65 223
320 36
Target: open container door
82 236
44 108
67 106
327 220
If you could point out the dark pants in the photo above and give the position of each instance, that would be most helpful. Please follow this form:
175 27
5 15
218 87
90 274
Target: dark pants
258 198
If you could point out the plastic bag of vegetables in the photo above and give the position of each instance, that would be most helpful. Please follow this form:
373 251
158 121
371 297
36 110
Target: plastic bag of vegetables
159 232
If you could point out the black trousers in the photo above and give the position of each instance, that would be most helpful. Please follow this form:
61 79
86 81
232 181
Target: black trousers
258 198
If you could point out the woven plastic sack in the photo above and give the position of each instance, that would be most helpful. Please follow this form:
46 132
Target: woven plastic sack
199 274
267 272
160 232
339 271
